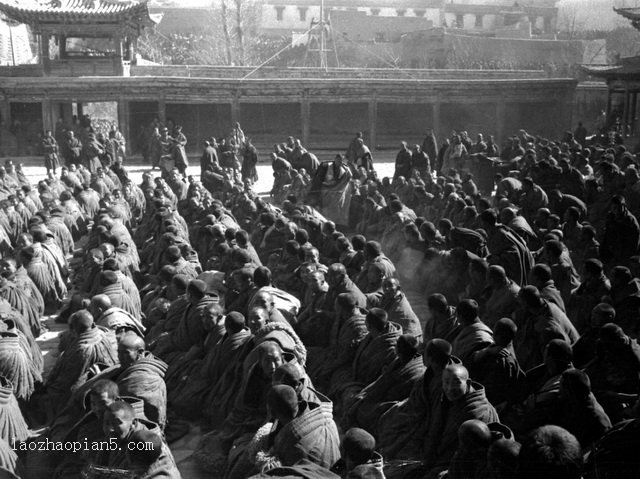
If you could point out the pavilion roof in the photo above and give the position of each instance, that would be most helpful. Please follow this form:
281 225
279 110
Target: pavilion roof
38 12
632 14
627 69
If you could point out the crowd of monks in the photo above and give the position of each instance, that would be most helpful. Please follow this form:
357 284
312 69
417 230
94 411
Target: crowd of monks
408 327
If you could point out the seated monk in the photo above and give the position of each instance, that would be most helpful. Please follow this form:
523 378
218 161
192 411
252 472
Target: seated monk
586 348
470 460
373 255
359 453
281 306
615 372
443 321
20 299
197 384
128 286
540 277
113 286
154 461
299 431
347 331
240 291
541 321
102 393
397 306
116 319
394 384
497 367
502 300
314 298
538 394
119 425
590 293
577 410
190 329
463 400
90 345
249 409
474 335
376 349
403 428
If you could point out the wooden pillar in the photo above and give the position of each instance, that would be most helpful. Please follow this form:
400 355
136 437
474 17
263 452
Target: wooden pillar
501 111
373 118
118 59
48 116
632 114
5 112
123 119
625 112
44 53
162 110
305 117
435 117
235 109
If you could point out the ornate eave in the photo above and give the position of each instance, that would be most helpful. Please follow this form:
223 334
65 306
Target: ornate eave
81 16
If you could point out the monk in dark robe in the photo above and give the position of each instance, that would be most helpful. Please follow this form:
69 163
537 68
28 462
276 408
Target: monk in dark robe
463 400
155 461
120 425
203 376
496 366
331 190
397 306
116 319
474 335
347 331
593 288
376 349
248 413
300 431
17 362
443 323
113 287
541 322
90 345
615 372
506 248
394 384
373 255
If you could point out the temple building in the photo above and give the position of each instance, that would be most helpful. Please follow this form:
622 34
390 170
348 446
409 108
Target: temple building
623 82
87 56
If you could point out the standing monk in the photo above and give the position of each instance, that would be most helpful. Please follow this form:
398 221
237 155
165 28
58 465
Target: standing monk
50 147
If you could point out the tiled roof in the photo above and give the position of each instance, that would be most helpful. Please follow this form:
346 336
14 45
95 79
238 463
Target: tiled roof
632 14
74 11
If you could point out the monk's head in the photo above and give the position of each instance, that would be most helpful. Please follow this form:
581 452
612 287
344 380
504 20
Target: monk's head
99 304
265 300
258 318
270 357
289 374
437 354
474 435
212 316
455 382
130 348
377 321
282 401
103 393
196 291
80 322
118 420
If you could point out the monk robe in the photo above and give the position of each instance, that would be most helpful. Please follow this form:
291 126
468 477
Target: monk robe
97 345
535 332
509 251
247 414
472 337
446 329
401 312
196 385
61 233
20 300
112 286
500 374
373 353
117 458
22 280
442 440
344 339
394 384
116 318
53 255
12 317
403 428
311 436
16 361
501 304
9 461
12 425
